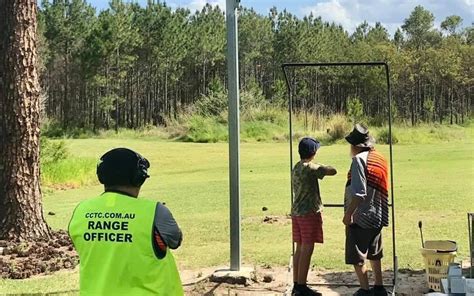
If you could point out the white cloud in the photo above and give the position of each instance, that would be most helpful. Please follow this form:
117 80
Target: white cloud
332 11
391 13
469 2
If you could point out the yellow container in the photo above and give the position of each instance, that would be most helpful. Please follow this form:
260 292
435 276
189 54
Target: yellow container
437 255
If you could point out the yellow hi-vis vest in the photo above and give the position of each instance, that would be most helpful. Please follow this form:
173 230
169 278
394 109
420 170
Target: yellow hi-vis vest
113 235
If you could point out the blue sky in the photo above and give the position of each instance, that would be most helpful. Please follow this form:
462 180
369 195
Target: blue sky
349 13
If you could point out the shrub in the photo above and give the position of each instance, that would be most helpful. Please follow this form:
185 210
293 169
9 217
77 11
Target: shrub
383 137
52 151
355 109
51 129
280 97
379 120
273 115
215 102
258 130
252 99
204 130
338 127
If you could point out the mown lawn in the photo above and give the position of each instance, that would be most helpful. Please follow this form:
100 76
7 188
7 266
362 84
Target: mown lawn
433 183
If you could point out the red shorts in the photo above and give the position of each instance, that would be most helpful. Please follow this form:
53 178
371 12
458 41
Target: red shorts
308 229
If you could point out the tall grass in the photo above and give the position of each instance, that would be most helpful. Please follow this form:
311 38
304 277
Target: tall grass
205 130
338 127
425 133
384 138
61 170
69 173
262 131
270 124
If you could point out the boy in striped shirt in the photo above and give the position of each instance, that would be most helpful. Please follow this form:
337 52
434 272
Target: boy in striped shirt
366 209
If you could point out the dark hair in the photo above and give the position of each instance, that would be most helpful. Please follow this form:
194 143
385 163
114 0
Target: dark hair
362 149
122 167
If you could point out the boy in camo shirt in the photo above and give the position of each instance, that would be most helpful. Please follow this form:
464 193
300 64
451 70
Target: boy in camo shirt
307 221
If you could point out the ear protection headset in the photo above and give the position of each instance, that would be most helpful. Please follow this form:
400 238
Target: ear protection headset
122 166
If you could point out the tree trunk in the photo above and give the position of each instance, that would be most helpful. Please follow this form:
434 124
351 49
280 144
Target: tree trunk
65 105
451 105
21 214
441 99
413 107
204 78
167 104
175 103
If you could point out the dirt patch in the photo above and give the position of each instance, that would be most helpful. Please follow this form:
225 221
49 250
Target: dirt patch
278 280
269 280
268 219
22 260
277 219
63 186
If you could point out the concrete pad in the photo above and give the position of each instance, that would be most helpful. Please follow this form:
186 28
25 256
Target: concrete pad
241 277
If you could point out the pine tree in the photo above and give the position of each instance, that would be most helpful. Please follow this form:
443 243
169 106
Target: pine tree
21 214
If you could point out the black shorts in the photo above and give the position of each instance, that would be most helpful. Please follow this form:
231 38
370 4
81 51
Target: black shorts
363 244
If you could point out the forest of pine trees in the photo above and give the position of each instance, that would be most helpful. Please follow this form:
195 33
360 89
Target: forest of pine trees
135 66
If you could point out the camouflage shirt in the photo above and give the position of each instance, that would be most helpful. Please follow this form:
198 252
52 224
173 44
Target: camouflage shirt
307 197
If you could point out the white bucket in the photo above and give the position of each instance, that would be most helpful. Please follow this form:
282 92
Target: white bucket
469 287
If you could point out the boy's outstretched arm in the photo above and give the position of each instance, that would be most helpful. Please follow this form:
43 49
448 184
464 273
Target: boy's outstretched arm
329 171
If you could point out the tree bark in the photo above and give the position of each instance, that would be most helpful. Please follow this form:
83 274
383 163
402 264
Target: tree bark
65 105
21 214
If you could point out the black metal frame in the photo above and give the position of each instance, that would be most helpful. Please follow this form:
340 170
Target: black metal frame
389 96
470 227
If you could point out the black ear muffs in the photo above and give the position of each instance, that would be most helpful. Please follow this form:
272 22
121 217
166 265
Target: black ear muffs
100 172
141 172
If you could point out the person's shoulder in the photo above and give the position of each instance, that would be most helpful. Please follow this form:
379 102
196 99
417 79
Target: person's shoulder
362 156
311 167
89 200
376 154
306 167
147 202
88 203
360 160
162 209
299 166
314 166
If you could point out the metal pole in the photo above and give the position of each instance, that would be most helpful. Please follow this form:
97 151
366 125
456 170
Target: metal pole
470 227
234 133
290 136
394 245
117 113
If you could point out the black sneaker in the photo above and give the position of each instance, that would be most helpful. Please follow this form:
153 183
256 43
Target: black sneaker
295 292
379 291
307 291
362 292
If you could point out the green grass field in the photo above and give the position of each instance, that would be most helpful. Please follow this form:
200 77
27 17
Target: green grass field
433 183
